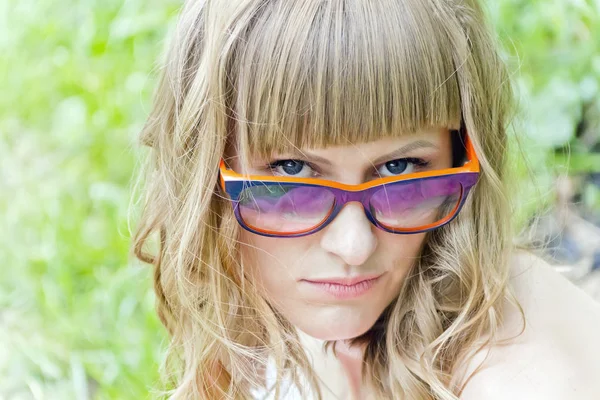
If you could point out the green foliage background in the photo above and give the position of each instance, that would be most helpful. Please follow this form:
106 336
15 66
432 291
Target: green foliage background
76 314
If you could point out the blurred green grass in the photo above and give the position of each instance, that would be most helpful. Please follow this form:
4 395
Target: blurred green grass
76 314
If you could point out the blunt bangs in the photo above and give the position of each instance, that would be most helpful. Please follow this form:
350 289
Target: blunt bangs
313 73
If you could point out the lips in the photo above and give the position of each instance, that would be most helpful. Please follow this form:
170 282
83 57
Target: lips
344 281
341 289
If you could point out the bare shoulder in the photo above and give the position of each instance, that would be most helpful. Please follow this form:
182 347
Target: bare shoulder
558 354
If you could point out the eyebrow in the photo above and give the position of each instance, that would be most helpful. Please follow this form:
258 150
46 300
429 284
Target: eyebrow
310 157
402 151
399 153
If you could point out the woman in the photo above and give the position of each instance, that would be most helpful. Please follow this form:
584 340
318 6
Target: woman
329 187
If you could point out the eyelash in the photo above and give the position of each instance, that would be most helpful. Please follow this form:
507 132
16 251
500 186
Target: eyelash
418 162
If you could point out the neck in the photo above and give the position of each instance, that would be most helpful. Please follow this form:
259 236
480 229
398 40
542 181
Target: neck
351 359
339 376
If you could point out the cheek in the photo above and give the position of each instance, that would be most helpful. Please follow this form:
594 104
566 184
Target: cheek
272 264
400 250
398 253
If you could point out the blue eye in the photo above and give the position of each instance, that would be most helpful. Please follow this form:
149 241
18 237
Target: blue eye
291 168
401 166
396 166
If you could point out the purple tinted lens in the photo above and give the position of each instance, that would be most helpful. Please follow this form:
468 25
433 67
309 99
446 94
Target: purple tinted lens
285 208
416 204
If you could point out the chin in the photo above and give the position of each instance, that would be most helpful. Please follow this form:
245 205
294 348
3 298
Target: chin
331 332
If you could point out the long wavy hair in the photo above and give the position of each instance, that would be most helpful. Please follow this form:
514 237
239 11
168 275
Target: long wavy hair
267 75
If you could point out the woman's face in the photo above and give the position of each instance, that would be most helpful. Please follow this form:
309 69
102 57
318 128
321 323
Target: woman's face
291 272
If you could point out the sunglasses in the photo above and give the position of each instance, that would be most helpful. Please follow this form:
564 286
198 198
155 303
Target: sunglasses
418 202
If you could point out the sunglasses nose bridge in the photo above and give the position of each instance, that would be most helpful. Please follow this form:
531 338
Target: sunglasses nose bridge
348 196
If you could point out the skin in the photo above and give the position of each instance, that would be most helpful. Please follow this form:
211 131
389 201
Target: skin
556 357
349 246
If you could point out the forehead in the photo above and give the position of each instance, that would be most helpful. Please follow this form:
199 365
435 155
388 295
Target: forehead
423 142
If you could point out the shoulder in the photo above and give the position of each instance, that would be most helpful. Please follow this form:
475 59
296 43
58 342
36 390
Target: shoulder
558 354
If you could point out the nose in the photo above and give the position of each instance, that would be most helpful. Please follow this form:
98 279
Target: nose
350 235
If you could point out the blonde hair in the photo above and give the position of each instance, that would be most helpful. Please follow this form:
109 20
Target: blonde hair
267 75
